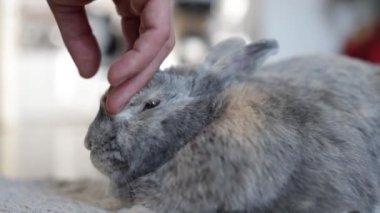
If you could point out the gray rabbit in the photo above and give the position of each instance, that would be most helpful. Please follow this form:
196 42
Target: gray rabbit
300 135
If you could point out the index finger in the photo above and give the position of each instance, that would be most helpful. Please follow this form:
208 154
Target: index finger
77 36
155 33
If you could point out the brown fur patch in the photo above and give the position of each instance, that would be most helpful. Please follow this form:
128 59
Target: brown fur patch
241 116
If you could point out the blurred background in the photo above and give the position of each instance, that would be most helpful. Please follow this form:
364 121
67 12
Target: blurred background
45 107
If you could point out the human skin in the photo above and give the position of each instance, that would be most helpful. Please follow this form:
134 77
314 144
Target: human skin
148 31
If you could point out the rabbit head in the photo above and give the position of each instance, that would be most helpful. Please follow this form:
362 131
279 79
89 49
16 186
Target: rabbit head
169 111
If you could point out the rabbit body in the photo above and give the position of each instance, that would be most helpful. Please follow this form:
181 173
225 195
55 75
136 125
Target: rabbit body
300 135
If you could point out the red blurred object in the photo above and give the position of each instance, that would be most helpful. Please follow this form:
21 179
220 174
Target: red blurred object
365 44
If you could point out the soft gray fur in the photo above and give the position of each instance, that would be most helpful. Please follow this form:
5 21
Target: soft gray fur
301 135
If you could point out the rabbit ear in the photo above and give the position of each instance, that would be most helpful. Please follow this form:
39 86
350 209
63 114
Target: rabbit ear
246 60
233 67
222 50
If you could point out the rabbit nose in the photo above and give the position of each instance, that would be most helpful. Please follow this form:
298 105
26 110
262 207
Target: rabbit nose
87 142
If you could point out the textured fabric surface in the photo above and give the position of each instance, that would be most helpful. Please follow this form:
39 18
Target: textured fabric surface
55 196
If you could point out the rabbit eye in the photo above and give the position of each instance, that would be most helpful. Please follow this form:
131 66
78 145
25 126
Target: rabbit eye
151 104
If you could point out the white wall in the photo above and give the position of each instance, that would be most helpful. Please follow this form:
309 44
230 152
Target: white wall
309 26
8 115
45 107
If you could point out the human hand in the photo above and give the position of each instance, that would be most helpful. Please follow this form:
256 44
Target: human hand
147 27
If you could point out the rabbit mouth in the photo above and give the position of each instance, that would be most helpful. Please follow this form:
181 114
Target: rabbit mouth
111 164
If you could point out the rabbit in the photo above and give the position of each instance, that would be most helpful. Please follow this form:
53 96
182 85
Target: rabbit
231 135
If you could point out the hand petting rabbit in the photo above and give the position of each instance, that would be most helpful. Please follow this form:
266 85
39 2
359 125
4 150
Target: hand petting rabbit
227 135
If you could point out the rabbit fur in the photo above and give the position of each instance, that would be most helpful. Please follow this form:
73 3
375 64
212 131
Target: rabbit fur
228 135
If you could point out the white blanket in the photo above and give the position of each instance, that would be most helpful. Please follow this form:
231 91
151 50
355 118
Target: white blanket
56 196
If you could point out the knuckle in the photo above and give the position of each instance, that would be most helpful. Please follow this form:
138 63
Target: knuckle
164 35
112 77
170 44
